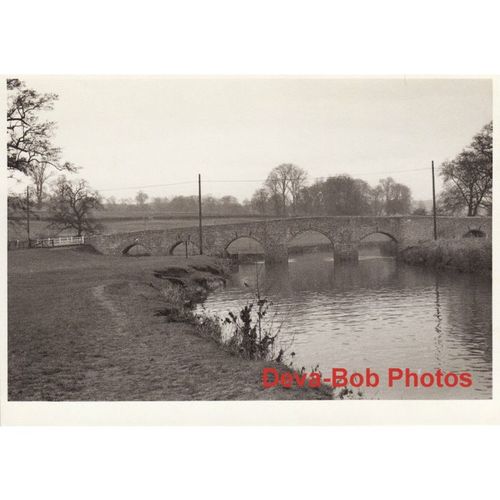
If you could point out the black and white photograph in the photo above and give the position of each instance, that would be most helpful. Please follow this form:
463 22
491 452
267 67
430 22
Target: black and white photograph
249 238
249 249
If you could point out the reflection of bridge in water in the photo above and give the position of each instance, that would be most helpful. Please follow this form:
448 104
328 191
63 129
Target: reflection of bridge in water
344 232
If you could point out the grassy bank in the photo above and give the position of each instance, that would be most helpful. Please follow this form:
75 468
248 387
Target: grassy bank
465 255
89 327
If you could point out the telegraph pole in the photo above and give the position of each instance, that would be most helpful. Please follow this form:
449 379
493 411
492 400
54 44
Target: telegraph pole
28 214
199 214
434 202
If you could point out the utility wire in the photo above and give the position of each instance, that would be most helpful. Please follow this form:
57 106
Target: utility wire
148 186
251 180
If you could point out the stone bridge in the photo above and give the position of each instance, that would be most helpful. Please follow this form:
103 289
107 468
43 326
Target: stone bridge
344 232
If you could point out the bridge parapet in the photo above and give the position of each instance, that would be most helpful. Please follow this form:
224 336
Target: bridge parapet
345 234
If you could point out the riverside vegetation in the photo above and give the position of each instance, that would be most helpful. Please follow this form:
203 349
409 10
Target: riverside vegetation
252 333
464 255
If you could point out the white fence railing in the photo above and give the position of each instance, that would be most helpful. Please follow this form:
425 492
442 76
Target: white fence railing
59 242
62 241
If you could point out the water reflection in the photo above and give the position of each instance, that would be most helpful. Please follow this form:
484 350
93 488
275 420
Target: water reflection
438 329
376 313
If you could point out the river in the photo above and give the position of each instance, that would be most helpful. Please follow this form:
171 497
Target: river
378 314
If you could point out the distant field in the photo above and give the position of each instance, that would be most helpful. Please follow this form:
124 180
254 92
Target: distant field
40 229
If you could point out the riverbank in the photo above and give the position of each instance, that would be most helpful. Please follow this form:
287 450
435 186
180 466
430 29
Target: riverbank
88 327
468 255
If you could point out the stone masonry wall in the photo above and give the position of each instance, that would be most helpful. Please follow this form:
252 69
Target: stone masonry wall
345 233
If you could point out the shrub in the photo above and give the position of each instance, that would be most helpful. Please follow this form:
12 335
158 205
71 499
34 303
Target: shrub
248 333
251 335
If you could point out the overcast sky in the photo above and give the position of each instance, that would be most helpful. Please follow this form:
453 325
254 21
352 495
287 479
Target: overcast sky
126 133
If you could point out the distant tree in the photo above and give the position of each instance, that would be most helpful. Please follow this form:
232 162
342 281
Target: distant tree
40 175
184 204
311 199
260 201
111 200
277 183
298 178
159 203
419 208
141 198
377 200
16 210
468 179
229 201
397 197
210 204
29 139
72 205
284 184
246 206
343 195
364 195
229 205
419 211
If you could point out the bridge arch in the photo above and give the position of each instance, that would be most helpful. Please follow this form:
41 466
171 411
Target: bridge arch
138 245
385 233
474 233
324 233
191 244
295 241
226 246
378 244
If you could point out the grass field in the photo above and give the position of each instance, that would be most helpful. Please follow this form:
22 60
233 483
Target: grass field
82 327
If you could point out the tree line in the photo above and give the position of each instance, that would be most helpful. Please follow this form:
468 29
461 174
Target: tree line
224 205
286 193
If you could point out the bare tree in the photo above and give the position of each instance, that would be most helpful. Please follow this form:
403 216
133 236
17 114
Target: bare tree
377 200
141 198
40 175
72 205
29 140
297 180
397 197
286 179
277 184
468 178
260 201
311 199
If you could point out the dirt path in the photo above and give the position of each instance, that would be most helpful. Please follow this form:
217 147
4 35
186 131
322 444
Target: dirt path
117 316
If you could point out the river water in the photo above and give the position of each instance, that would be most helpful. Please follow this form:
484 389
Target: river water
378 314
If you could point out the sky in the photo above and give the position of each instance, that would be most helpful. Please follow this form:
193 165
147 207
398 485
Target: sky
133 133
